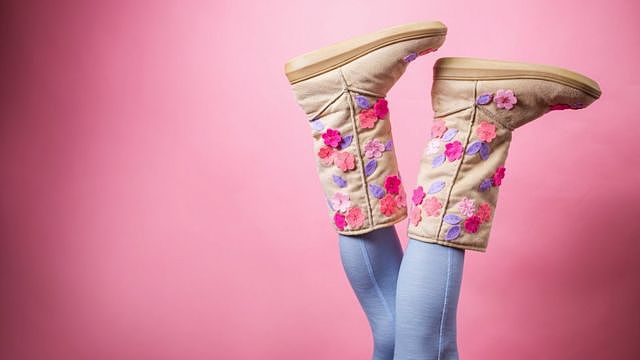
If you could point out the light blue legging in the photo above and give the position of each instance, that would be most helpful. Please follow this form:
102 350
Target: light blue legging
410 302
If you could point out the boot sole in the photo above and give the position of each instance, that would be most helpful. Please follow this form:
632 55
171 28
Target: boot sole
454 68
331 57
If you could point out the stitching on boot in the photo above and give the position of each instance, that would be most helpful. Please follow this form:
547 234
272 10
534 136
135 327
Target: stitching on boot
493 117
324 108
455 176
437 116
356 138
364 92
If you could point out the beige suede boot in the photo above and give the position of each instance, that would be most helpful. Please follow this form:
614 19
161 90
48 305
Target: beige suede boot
477 104
342 90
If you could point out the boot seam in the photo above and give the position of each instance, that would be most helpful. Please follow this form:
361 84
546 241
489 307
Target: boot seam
455 176
356 138
315 115
493 117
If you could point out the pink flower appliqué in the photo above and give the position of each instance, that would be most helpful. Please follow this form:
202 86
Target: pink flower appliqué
326 155
367 118
401 199
345 161
416 216
355 218
467 207
498 176
484 212
339 220
373 149
432 206
505 99
486 131
453 150
340 202
332 138
471 224
381 108
392 184
438 128
388 205
418 195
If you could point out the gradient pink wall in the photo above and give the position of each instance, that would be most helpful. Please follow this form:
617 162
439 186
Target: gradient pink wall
158 198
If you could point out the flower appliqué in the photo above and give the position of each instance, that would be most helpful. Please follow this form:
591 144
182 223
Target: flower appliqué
345 161
486 131
470 221
391 195
369 115
329 154
494 180
503 98
432 206
340 202
453 150
373 149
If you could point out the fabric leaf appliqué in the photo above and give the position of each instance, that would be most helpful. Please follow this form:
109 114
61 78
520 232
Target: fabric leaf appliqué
449 134
438 160
436 187
376 190
452 219
370 167
339 181
362 102
452 233
346 141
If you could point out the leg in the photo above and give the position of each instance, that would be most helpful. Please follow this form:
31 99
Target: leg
371 262
427 300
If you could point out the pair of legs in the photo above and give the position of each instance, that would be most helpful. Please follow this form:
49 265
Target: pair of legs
411 300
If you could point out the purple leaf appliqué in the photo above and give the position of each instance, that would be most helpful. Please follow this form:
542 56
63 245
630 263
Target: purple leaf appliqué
317 125
376 190
370 167
339 181
449 134
346 141
474 147
438 160
452 233
452 219
484 151
436 187
362 102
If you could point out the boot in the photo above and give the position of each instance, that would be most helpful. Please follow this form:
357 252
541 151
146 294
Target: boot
342 90
477 105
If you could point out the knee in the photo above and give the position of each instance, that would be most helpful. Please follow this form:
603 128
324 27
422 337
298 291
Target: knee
383 343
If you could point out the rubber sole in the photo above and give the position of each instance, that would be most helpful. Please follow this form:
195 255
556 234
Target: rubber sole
317 62
455 68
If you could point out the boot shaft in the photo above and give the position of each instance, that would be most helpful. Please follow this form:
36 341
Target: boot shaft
477 104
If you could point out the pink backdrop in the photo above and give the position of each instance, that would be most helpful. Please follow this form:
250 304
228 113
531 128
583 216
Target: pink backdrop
158 198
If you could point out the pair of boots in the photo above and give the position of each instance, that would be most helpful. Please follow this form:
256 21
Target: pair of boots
477 105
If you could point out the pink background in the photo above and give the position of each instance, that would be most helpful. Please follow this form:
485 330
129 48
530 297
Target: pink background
158 197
